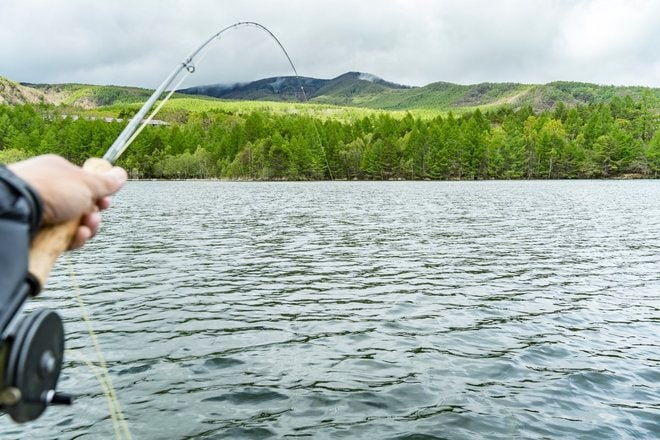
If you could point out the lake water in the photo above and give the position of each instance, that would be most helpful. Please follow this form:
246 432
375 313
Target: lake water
370 310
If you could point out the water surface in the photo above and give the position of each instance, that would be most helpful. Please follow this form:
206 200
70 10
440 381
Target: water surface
384 310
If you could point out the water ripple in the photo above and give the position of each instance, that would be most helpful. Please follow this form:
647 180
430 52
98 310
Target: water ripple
369 310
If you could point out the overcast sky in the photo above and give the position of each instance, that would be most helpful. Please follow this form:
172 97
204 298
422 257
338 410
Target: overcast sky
415 42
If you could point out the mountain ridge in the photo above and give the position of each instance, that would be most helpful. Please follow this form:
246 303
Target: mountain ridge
351 89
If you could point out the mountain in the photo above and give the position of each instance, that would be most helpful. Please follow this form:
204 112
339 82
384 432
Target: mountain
13 93
366 90
287 88
352 89
80 95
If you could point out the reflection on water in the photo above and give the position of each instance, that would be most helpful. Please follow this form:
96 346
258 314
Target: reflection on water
369 310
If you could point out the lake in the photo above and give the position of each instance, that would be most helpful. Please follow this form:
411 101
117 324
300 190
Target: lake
371 310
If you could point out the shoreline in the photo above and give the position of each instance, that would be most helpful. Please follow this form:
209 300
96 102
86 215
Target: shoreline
618 178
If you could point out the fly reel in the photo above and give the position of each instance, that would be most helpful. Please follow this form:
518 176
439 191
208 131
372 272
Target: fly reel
30 363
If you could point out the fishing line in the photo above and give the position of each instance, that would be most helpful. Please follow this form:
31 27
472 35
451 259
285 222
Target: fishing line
111 395
104 388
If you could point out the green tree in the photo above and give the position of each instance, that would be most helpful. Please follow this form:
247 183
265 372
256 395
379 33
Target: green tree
12 155
653 154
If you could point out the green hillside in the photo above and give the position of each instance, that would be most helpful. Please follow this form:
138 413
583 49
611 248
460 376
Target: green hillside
447 96
179 106
353 89
89 96
357 89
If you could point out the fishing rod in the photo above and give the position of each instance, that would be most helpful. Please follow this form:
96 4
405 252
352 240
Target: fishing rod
32 347
131 131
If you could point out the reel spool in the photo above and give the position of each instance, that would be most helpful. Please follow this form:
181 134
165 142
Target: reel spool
32 365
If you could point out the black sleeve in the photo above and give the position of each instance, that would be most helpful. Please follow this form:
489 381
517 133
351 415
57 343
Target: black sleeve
20 218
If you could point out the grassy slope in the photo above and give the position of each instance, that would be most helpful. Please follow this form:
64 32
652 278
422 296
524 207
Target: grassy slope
90 95
200 104
447 96
433 96
344 99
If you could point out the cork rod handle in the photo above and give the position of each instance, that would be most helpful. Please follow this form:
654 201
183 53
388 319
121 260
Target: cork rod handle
53 240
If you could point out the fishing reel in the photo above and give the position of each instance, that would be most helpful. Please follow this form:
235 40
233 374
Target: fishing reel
30 363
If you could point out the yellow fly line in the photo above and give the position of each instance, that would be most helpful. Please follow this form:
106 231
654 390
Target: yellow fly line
100 371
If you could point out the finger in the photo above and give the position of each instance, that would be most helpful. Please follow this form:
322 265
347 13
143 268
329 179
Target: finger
104 203
83 233
92 221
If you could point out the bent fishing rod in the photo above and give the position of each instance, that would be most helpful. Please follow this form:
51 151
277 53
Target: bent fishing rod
32 347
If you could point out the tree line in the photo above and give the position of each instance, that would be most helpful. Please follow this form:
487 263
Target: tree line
603 140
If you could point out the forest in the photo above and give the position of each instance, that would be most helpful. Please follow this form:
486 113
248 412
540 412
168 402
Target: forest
614 139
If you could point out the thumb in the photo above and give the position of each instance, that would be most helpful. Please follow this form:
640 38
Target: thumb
110 181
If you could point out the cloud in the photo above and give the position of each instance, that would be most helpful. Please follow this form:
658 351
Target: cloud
410 42
613 44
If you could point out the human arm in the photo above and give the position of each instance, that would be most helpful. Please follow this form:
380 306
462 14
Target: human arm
20 218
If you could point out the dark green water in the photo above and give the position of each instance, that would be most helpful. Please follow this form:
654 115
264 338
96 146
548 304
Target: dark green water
369 310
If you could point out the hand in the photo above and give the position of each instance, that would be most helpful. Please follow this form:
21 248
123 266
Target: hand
68 192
